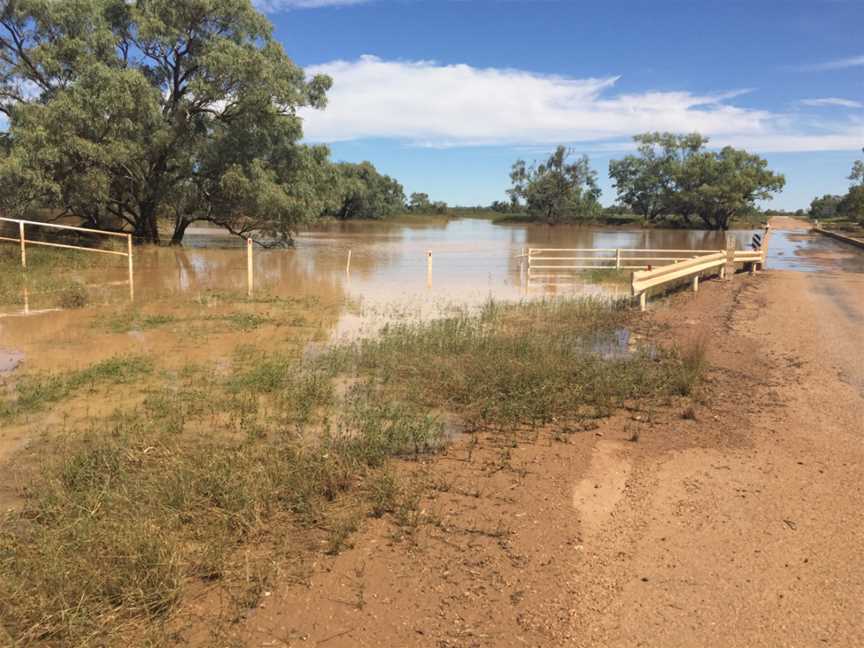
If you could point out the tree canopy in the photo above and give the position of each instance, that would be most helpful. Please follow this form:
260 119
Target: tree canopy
676 174
824 207
857 175
363 192
558 189
124 112
849 206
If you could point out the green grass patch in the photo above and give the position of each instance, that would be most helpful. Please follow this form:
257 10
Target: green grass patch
33 392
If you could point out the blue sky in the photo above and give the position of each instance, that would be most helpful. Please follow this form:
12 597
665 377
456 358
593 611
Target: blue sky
444 95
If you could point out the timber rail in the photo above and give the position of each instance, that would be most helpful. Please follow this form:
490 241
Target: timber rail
23 242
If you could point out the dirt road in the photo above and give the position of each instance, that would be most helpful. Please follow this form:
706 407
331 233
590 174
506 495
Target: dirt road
761 545
735 523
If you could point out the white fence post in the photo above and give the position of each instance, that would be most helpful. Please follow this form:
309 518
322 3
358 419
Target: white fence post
23 248
249 274
429 268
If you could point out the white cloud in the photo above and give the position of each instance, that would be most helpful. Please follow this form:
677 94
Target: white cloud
272 6
838 64
429 104
831 101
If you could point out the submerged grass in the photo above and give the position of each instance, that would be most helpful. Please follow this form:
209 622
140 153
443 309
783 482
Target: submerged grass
52 276
285 453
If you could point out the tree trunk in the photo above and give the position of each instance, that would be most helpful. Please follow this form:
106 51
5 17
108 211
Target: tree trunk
146 228
179 231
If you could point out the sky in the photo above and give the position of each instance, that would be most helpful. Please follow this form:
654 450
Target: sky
445 95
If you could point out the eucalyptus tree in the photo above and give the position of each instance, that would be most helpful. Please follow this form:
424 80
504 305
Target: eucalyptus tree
419 202
646 182
558 189
677 174
128 112
857 175
363 192
824 207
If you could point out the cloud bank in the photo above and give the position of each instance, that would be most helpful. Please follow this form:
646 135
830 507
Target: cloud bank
428 104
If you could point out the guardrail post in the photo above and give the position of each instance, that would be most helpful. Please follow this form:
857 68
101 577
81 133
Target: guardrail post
348 263
765 238
23 246
696 283
643 301
617 258
729 268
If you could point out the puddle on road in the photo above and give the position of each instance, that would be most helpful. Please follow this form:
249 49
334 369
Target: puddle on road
804 251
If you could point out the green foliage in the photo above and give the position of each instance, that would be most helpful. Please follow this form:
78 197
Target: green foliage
122 113
852 205
824 207
419 203
363 192
556 190
857 174
645 182
676 174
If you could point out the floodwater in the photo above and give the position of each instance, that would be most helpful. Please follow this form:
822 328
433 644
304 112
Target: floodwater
471 260
799 249
390 271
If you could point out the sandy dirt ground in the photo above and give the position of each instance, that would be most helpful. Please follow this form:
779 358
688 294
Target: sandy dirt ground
736 523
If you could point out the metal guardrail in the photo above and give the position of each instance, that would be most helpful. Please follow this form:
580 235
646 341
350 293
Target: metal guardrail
558 259
645 279
674 265
23 241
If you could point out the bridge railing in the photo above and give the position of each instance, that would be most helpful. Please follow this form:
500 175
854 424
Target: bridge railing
652 267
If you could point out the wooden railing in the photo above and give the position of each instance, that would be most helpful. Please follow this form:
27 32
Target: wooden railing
23 242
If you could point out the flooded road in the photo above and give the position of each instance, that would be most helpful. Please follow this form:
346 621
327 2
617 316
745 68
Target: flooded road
794 246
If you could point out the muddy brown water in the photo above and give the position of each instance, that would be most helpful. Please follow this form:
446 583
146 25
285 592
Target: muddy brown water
472 259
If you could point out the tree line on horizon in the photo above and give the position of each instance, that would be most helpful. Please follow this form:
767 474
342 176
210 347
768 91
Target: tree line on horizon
671 176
